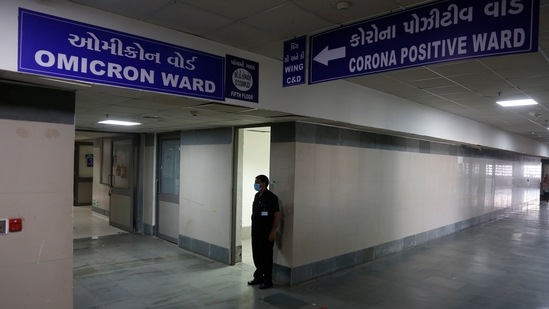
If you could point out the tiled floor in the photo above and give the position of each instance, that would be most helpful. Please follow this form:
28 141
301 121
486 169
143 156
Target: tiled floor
500 264
87 224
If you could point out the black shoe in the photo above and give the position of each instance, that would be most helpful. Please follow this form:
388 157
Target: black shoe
265 285
255 282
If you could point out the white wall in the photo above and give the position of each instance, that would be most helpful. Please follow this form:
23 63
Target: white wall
206 193
339 200
36 178
337 100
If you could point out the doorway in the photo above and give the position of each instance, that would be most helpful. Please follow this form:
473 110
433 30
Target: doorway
253 158
93 168
167 187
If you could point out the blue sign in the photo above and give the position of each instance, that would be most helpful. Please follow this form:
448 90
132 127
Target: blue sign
242 79
89 160
433 33
59 47
294 62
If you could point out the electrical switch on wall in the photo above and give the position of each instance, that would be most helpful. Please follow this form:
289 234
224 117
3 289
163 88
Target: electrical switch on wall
3 226
15 225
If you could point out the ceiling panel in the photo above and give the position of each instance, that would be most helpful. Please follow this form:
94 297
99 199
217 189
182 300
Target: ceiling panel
458 68
287 21
475 78
236 9
452 89
467 88
358 10
518 61
413 74
233 34
187 18
139 9
431 83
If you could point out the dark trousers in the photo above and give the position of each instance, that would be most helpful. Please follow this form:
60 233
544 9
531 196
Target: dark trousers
262 252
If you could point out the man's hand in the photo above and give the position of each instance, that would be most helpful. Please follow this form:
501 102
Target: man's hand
276 222
272 235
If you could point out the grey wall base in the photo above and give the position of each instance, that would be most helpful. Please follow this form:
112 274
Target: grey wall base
208 250
300 274
100 211
292 276
148 229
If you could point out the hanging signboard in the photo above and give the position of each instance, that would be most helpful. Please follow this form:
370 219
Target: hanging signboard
58 47
437 32
242 80
294 62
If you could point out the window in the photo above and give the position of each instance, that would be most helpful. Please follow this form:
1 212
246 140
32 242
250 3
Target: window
532 171
504 170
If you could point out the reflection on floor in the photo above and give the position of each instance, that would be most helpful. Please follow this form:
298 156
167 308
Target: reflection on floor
87 224
499 264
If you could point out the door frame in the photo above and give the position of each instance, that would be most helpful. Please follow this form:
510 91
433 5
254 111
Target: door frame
171 198
236 231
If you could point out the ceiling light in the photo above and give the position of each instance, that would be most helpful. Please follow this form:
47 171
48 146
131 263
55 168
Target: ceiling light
517 102
119 123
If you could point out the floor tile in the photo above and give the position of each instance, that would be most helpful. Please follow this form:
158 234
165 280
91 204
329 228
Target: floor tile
499 264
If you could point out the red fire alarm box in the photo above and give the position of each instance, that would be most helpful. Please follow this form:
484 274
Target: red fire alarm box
15 225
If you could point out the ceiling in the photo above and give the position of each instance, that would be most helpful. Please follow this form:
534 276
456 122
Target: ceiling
464 88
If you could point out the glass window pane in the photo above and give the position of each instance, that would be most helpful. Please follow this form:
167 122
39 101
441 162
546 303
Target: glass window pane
169 180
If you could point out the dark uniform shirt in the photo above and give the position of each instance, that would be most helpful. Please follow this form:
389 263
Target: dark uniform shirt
263 210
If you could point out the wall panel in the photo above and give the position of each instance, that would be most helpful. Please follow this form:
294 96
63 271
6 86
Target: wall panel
363 200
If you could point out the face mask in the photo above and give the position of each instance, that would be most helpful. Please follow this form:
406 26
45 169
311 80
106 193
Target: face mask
257 186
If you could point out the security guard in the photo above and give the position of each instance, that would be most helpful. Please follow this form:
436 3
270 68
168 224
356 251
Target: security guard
265 220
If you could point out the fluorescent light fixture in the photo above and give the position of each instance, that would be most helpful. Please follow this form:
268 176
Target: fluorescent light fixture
68 82
517 102
119 123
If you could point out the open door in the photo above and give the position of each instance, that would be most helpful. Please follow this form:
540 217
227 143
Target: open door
122 184
83 173
168 187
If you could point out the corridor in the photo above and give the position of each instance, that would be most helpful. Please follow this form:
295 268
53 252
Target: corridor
499 264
